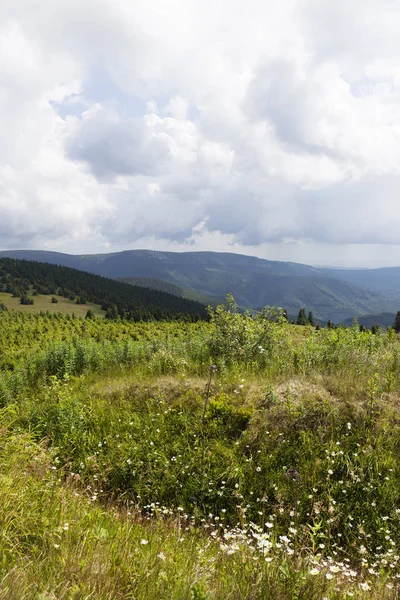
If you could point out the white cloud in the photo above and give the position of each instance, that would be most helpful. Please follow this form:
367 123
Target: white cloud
268 125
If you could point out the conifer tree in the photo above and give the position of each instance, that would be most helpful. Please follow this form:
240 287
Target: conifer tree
375 328
302 317
396 325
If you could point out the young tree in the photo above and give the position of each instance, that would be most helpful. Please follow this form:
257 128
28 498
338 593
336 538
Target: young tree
112 312
302 317
25 300
310 318
396 325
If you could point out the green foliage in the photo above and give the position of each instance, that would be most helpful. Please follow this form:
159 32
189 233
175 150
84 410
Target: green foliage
25 300
289 454
302 317
246 339
230 419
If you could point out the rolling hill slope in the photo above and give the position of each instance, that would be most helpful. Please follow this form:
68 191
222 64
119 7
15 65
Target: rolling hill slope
21 277
384 320
385 280
253 281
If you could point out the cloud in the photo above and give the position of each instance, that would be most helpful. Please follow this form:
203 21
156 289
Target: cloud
280 97
112 146
261 125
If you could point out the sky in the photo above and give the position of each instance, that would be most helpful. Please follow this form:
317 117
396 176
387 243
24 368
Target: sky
260 127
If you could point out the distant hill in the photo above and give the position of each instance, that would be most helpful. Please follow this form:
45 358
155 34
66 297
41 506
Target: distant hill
385 280
385 320
329 293
21 277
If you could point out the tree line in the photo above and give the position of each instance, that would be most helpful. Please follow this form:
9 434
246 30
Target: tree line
25 279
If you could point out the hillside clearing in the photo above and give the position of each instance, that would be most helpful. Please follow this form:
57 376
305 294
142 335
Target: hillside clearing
43 303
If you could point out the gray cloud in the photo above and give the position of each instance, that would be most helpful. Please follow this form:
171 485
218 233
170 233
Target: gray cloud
337 214
111 146
267 128
278 95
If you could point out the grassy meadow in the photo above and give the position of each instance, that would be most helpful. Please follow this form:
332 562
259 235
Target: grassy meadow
244 458
43 303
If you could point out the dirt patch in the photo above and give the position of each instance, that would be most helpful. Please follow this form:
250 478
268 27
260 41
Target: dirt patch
296 389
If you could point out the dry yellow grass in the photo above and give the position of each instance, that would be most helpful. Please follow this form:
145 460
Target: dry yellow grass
44 303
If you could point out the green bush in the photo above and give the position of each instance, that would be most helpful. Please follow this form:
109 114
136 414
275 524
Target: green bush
232 420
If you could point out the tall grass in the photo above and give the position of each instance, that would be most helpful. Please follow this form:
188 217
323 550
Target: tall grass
284 484
58 543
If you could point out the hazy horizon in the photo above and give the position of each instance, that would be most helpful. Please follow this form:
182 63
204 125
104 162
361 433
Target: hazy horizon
317 265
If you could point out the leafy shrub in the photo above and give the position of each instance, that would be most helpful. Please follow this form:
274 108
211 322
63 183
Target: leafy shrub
232 420
247 339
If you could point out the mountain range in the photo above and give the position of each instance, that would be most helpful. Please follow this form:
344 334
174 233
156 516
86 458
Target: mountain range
335 294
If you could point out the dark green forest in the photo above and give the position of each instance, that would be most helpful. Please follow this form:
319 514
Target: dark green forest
154 284
119 300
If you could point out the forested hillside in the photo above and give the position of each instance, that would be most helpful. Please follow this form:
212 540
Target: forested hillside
154 284
170 288
209 276
24 279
